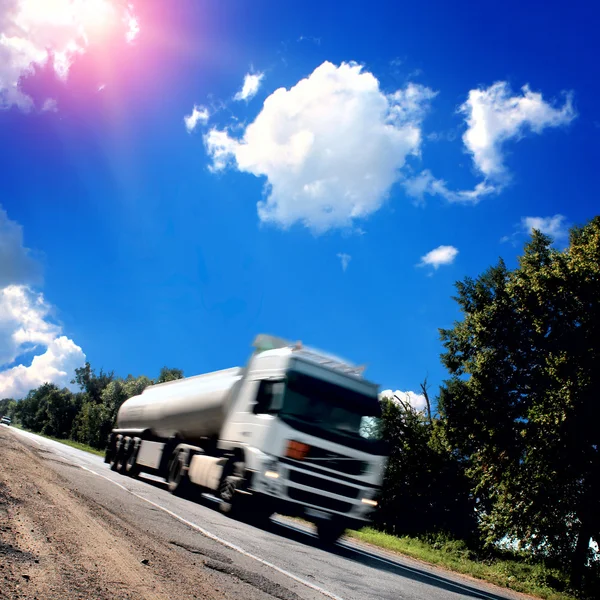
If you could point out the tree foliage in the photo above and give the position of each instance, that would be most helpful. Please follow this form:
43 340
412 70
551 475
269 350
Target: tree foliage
168 374
425 489
521 405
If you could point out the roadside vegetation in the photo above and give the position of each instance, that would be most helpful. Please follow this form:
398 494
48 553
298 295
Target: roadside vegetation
67 442
499 477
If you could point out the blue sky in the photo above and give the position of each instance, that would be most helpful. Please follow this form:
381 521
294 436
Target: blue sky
136 241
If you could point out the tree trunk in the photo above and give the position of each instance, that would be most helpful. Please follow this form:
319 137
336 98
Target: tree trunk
580 554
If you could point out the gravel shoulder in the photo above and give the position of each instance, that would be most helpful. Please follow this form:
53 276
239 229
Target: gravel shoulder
58 543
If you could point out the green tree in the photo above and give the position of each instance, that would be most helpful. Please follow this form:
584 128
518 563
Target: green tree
8 407
168 374
96 419
32 410
92 384
425 489
522 401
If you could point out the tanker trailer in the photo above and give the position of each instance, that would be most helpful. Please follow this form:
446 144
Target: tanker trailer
296 432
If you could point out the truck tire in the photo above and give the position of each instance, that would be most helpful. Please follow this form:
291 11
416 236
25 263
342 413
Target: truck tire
177 479
229 495
230 500
115 456
110 448
330 532
130 466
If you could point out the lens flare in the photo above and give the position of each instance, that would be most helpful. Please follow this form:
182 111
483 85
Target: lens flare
35 30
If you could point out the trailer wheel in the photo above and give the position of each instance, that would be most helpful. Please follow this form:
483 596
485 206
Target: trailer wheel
110 448
130 466
330 532
177 478
123 455
115 455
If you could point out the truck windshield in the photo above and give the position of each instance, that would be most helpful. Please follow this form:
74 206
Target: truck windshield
332 411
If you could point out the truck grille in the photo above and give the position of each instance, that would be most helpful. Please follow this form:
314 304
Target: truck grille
320 483
318 500
336 462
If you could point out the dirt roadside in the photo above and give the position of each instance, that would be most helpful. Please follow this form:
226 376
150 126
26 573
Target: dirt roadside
55 543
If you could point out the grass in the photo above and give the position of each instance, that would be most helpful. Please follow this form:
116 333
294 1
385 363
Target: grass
508 570
71 443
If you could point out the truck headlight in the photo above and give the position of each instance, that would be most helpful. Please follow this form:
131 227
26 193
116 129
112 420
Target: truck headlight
272 474
369 502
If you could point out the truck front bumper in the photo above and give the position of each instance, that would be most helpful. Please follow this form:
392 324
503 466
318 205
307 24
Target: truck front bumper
297 491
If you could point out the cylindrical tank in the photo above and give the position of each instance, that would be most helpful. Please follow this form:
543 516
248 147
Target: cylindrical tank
193 408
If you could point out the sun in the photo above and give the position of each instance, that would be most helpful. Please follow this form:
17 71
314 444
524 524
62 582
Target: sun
92 20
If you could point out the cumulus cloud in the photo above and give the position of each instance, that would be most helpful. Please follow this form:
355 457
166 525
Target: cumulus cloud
32 32
25 326
556 226
344 259
199 115
250 87
442 255
56 365
330 147
16 262
416 401
26 323
494 116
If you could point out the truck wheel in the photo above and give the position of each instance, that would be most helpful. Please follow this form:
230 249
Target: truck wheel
110 448
130 466
115 456
330 532
230 501
177 479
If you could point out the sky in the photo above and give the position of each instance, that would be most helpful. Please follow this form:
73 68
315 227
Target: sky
177 177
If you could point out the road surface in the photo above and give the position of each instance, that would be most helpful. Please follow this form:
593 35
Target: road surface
98 534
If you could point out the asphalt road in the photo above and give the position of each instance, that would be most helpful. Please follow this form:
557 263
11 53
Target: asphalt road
284 553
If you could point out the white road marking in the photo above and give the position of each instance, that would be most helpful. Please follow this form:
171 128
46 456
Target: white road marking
216 538
296 578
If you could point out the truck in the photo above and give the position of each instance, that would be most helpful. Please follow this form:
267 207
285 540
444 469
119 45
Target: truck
295 432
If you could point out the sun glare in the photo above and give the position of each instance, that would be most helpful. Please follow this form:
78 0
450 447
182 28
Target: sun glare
91 20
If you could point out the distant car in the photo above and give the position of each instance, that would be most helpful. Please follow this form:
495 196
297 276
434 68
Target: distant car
5 420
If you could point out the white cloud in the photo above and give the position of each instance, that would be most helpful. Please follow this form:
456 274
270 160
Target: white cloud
199 115
26 325
494 116
556 226
344 259
442 255
426 184
250 87
32 30
56 365
330 147
133 26
16 263
417 401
